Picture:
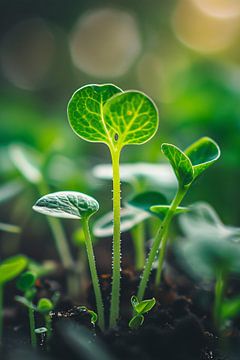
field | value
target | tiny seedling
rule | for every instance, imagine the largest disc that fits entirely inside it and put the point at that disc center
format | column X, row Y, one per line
column 75, row 205
column 140, row 308
column 26, row 284
column 9, row 270
column 44, row 307
column 106, row 114
column 187, row 166
column 94, row 316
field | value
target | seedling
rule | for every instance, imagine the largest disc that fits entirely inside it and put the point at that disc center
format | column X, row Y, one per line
column 106, row 114
column 94, row 316
column 45, row 306
column 75, row 205
column 26, row 284
column 9, row 270
column 187, row 166
column 140, row 308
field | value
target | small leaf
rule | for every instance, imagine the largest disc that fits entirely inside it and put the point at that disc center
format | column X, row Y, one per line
column 136, row 322
column 180, row 162
column 44, row 306
column 103, row 113
column 134, row 301
column 26, row 281
column 14, row 229
column 67, row 204
column 130, row 217
column 161, row 210
column 94, row 316
column 24, row 301
column 203, row 153
column 145, row 306
column 146, row 200
column 12, row 267
column 230, row 308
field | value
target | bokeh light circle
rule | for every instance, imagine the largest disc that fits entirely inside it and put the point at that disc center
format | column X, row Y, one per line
column 219, row 8
column 105, row 42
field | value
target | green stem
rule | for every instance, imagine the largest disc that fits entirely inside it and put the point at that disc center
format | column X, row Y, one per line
column 139, row 246
column 1, row 313
column 116, row 276
column 93, row 271
column 32, row 327
column 156, row 243
column 219, row 293
column 48, row 324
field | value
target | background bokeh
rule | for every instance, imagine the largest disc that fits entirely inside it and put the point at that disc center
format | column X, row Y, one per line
column 185, row 54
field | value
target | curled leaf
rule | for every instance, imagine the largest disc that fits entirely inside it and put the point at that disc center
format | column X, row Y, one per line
column 136, row 322
column 145, row 306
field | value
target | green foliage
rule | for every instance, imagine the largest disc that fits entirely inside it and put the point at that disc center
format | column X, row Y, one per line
column 67, row 204
column 140, row 308
column 11, row 268
column 26, row 281
column 147, row 199
column 44, row 306
column 230, row 308
column 162, row 210
column 103, row 113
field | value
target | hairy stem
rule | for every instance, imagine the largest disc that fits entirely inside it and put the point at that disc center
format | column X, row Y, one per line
column 94, row 275
column 115, row 296
column 1, row 313
column 138, row 235
column 32, row 327
column 156, row 243
column 218, row 298
column 48, row 324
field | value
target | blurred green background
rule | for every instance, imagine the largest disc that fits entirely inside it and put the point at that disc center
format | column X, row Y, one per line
column 185, row 54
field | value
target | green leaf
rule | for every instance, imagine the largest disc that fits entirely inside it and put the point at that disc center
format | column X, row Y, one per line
column 230, row 308
column 146, row 200
column 161, row 210
column 180, row 162
column 41, row 330
column 130, row 217
column 25, row 302
column 203, row 153
column 44, row 306
column 136, row 322
column 134, row 301
column 67, row 204
column 12, row 267
column 145, row 306
column 102, row 113
column 14, row 229
column 27, row 161
column 26, row 281
column 94, row 316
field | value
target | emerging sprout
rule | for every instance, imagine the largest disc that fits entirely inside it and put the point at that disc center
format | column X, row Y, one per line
column 45, row 306
column 75, row 205
column 187, row 166
column 9, row 270
column 139, row 309
column 106, row 114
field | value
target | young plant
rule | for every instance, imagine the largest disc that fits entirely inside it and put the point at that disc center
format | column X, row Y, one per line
column 44, row 307
column 140, row 308
column 187, row 166
column 9, row 270
column 26, row 284
column 106, row 114
column 75, row 205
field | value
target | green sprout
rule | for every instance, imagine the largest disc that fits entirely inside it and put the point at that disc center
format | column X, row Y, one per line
column 187, row 166
column 9, row 269
column 106, row 114
column 94, row 316
column 44, row 307
column 26, row 283
column 140, row 308
column 75, row 205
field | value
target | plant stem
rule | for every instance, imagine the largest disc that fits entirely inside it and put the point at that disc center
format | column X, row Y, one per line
column 219, row 292
column 1, row 313
column 156, row 243
column 116, row 276
column 93, row 271
column 138, row 242
column 48, row 324
column 32, row 327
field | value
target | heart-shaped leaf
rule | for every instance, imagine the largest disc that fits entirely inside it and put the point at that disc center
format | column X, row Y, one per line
column 130, row 217
column 146, row 200
column 103, row 113
column 180, row 162
column 144, row 306
column 203, row 153
column 161, row 210
column 12, row 267
column 67, row 204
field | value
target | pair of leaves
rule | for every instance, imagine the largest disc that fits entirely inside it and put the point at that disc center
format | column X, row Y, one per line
column 44, row 305
column 188, row 165
column 140, row 309
column 106, row 114
column 11, row 268
column 67, row 204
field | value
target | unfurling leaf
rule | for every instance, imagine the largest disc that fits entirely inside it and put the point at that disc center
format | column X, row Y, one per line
column 144, row 306
column 67, row 204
